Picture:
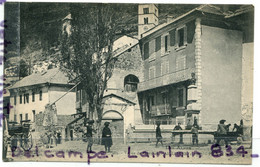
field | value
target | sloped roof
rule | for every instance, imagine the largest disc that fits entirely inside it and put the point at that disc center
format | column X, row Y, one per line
column 119, row 97
column 54, row 76
column 213, row 9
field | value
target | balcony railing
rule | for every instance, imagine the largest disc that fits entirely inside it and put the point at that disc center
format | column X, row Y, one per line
column 166, row 79
column 163, row 109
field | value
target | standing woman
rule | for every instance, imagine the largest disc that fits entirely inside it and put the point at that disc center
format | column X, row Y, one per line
column 106, row 137
column 158, row 134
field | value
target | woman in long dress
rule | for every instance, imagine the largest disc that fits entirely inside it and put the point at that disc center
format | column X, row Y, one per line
column 106, row 137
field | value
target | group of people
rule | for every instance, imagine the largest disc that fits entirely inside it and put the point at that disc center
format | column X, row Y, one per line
column 222, row 131
column 194, row 132
column 106, row 136
column 52, row 138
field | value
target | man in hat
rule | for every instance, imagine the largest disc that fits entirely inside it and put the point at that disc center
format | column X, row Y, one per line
column 195, row 132
column 222, row 132
column 178, row 127
column 106, row 137
column 158, row 134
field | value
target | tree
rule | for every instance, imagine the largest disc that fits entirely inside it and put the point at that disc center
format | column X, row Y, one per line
column 24, row 69
column 86, row 49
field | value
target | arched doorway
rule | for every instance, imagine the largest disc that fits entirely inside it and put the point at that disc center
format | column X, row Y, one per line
column 116, row 125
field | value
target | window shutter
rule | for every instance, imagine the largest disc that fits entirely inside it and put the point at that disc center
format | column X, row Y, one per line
column 185, row 36
column 176, row 40
column 167, row 67
column 146, row 50
column 162, row 45
column 162, row 65
column 172, row 37
column 152, row 50
column 190, row 31
column 158, row 44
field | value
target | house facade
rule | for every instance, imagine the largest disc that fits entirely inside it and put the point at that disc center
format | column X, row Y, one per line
column 30, row 95
column 196, row 67
column 193, row 67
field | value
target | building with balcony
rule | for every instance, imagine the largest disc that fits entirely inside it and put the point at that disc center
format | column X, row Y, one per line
column 195, row 65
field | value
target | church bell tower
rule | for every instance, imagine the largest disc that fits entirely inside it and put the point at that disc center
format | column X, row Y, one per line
column 147, row 18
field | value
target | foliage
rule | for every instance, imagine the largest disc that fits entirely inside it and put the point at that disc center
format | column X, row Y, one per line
column 86, row 50
column 23, row 70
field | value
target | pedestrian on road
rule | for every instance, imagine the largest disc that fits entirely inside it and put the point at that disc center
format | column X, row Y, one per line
column 59, row 136
column 195, row 132
column 89, row 135
column 222, row 132
column 158, row 134
column 106, row 137
column 178, row 127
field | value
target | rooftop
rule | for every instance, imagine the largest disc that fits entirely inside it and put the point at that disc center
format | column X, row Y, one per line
column 54, row 76
column 206, row 8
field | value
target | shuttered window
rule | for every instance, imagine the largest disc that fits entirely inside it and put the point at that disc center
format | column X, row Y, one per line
column 158, row 44
column 14, row 100
column 164, row 67
column 181, row 36
column 152, row 72
column 172, row 37
column 146, row 50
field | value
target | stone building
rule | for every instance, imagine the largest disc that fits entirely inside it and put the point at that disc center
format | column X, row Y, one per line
column 195, row 65
column 29, row 96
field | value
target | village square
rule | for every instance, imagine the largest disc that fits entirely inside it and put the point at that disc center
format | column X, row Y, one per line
column 175, row 89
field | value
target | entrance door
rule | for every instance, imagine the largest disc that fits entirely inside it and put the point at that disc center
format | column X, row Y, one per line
column 116, row 125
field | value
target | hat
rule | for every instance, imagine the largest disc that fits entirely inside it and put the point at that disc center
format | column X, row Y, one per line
column 106, row 123
column 222, row 121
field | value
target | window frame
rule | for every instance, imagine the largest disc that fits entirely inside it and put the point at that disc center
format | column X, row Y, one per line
column 165, row 45
column 40, row 95
column 26, row 116
column 146, row 20
column 21, row 99
column 184, row 97
column 145, row 10
column 165, row 67
column 33, row 115
column 154, row 73
column 33, row 96
column 146, row 50
column 15, row 118
column 177, row 38
column 15, row 100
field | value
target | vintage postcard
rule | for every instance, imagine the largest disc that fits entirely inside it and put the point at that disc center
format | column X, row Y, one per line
column 103, row 82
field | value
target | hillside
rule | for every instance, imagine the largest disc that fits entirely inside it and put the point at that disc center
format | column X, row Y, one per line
column 35, row 28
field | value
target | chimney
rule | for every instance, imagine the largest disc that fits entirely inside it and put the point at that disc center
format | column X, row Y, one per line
column 170, row 19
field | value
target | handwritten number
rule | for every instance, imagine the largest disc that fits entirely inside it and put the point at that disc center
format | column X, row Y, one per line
column 241, row 150
column 229, row 151
column 216, row 152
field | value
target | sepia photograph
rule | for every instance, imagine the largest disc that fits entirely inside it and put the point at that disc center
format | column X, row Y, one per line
column 128, row 82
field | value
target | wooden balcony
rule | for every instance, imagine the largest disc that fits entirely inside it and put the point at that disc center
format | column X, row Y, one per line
column 166, row 79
